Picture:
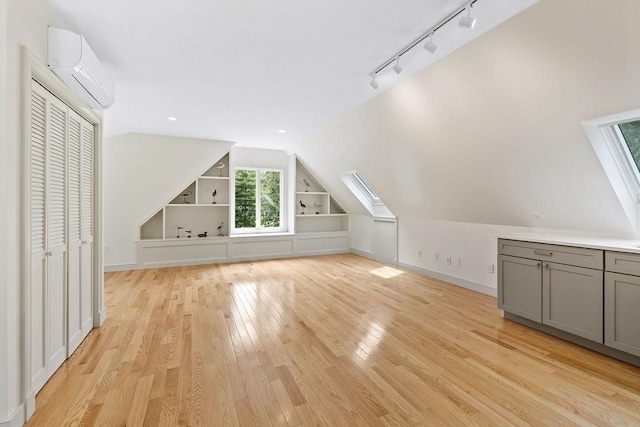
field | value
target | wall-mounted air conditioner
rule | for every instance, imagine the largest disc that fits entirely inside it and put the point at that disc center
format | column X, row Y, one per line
column 71, row 59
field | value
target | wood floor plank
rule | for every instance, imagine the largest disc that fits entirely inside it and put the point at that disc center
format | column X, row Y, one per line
column 323, row 341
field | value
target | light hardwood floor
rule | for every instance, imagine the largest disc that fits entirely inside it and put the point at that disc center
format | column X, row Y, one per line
column 323, row 341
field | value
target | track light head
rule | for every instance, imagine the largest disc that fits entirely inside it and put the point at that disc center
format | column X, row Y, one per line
column 430, row 45
column 397, row 67
column 373, row 83
column 467, row 21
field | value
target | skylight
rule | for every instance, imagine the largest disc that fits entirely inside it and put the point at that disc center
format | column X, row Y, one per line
column 629, row 136
column 616, row 141
column 365, row 194
column 363, row 187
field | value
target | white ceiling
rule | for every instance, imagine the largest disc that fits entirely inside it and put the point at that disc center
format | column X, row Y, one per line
column 240, row 70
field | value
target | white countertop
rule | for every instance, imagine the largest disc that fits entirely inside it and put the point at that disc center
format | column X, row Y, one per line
column 620, row 245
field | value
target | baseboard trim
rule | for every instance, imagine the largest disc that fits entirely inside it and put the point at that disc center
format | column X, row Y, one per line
column 29, row 405
column 451, row 279
column 120, row 267
column 238, row 258
column 102, row 316
column 362, row 253
column 17, row 419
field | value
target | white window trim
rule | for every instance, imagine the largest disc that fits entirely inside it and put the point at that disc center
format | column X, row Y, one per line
column 365, row 194
column 614, row 156
column 258, row 229
column 364, row 187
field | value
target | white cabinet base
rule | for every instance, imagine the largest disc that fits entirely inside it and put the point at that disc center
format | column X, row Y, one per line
column 195, row 251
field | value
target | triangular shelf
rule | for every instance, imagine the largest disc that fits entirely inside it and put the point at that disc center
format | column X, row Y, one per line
column 201, row 207
column 316, row 209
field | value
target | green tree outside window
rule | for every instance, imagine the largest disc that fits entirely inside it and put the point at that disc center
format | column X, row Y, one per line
column 257, row 198
column 631, row 133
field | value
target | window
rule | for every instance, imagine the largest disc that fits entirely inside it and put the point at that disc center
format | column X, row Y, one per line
column 365, row 194
column 628, row 136
column 616, row 141
column 258, row 200
column 363, row 187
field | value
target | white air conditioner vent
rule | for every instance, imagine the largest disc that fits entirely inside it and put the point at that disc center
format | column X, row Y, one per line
column 72, row 59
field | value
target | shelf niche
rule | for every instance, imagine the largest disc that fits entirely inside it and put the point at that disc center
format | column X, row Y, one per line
column 195, row 212
column 329, row 217
column 152, row 229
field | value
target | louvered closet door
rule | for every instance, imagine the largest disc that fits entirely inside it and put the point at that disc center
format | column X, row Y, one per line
column 87, row 250
column 74, row 316
column 56, row 232
column 37, row 201
column 48, row 180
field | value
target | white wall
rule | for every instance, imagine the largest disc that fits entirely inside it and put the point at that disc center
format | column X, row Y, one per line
column 22, row 23
column 4, row 319
column 492, row 133
column 361, row 232
column 141, row 173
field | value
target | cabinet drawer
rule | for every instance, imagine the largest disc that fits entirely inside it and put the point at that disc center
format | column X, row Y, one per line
column 619, row 262
column 581, row 257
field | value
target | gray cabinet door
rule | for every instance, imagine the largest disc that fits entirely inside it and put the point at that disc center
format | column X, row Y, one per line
column 572, row 300
column 520, row 287
column 622, row 312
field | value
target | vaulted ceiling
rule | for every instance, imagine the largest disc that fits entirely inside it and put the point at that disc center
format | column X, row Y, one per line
column 241, row 70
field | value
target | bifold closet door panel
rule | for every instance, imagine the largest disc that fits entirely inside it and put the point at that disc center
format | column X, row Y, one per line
column 87, row 250
column 56, row 226
column 74, row 317
column 48, row 234
column 37, row 208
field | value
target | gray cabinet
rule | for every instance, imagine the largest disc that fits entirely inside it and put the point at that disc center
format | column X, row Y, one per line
column 625, row 263
column 585, row 295
column 572, row 300
column 622, row 312
column 558, row 286
column 522, row 294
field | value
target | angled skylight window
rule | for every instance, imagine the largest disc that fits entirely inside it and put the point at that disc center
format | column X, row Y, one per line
column 365, row 194
column 629, row 138
column 363, row 186
column 616, row 141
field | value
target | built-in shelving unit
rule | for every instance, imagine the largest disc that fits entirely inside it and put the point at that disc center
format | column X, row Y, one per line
column 195, row 208
column 320, row 213
column 324, row 232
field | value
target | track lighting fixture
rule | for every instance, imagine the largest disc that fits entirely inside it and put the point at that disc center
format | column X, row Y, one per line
column 430, row 45
column 467, row 22
column 397, row 67
column 373, row 83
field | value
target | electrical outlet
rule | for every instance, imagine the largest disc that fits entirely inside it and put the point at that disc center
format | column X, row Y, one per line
column 491, row 268
column 448, row 260
column 436, row 257
column 419, row 253
column 106, row 249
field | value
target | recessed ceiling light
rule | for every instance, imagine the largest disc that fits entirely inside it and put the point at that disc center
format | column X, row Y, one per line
column 172, row 119
column 281, row 131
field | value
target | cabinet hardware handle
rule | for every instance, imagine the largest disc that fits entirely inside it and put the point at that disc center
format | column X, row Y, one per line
column 540, row 252
column 48, row 253
column 546, row 266
column 84, row 242
column 538, row 266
